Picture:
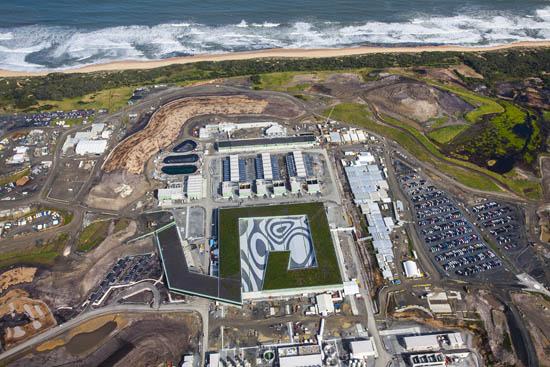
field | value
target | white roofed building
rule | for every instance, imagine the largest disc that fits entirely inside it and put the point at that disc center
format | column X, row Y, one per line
column 421, row 342
column 351, row 288
column 234, row 168
column 363, row 349
column 195, row 187
column 411, row 269
column 325, row 304
column 309, row 360
column 90, row 147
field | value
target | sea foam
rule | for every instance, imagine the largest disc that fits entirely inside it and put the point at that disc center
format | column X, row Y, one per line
column 55, row 47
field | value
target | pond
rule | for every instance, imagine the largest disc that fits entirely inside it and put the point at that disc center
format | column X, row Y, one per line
column 188, row 158
column 179, row 170
column 83, row 342
column 185, row 146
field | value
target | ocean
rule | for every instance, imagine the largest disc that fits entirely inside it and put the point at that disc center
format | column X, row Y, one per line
column 37, row 35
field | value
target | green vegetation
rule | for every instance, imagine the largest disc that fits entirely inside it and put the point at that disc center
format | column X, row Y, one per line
column 33, row 92
column 529, row 188
column 485, row 105
column 16, row 176
column 507, row 343
column 446, row 134
column 303, row 97
column 274, row 80
column 96, row 232
column 526, row 188
column 44, row 254
column 121, row 225
column 438, row 121
column 507, row 137
column 410, row 244
column 298, row 87
column 327, row 271
column 357, row 114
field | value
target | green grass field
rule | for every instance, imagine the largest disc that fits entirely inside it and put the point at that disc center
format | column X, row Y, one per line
column 39, row 255
column 446, row 134
column 277, row 275
column 96, row 232
column 485, row 105
column 15, row 176
column 357, row 114
column 112, row 99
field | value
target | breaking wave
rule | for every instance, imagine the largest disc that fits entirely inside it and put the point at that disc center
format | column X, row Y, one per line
column 54, row 47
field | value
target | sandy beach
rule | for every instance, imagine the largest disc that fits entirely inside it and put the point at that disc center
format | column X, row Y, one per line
column 291, row 53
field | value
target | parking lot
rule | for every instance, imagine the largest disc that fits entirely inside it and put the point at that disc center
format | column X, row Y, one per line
column 40, row 221
column 69, row 178
column 454, row 244
column 500, row 222
column 22, row 120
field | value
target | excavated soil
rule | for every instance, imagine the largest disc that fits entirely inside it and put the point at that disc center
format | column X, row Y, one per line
column 165, row 125
column 418, row 101
column 16, row 276
column 137, row 340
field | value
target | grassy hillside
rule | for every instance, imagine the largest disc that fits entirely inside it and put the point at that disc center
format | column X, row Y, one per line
column 359, row 115
column 27, row 92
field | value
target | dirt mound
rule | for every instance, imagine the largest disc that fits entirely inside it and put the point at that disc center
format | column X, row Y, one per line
column 165, row 125
column 418, row 101
column 16, row 276
column 117, row 190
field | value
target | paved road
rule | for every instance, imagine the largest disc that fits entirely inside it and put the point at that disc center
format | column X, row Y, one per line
column 200, row 306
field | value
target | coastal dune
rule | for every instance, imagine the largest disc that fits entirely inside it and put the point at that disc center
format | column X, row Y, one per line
column 272, row 53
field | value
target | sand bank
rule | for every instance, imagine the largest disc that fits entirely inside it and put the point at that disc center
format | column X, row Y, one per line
column 292, row 53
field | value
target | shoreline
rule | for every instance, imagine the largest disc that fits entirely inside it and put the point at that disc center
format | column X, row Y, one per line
column 271, row 53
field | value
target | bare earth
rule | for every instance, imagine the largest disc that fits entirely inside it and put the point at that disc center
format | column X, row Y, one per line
column 16, row 276
column 66, row 287
column 165, row 125
column 537, row 314
column 295, row 53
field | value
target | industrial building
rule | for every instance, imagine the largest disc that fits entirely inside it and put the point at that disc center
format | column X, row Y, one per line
column 245, row 190
column 421, row 343
column 325, row 306
column 211, row 130
column 279, row 188
column 97, row 147
column 363, row 349
column 87, row 142
column 227, row 190
column 313, row 186
column 261, row 188
column 167, row 196
column 266, row 143
column 369, row 187
column 234, row 168
column 308, row 360
column 411, row 269
column 427, row 359
column 351, row 288
column 195, row 185
column 352, row 136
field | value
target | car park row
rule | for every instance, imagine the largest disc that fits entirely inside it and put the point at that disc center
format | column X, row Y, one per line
column 452, row 241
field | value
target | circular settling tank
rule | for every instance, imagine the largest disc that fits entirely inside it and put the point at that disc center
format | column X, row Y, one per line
column 269, row 356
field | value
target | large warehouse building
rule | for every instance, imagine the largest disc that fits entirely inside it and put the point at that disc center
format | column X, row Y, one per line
column 247, row 145
column 264, row 251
